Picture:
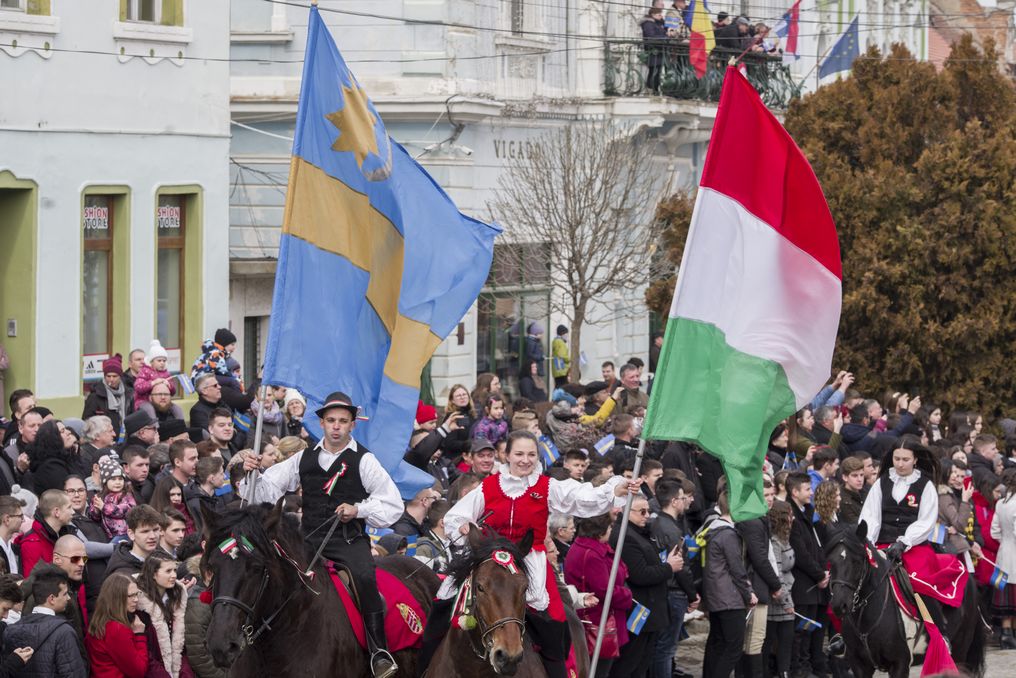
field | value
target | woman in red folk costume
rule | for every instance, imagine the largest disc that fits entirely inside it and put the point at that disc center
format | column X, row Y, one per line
column 901, row 511
column 513, row 501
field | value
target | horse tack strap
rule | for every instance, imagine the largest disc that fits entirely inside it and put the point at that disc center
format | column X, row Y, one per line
column 937, row 659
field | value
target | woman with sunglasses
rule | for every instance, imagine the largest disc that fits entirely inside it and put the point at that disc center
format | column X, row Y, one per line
column 519, row 498
column 162, row 606
column 116, row 642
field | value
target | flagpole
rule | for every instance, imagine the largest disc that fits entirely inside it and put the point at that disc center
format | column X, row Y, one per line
column 617, row 561
column 256, row 447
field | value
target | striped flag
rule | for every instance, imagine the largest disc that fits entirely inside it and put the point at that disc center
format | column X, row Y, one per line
column 375, row 533
column 806, row 624
column 753, row 323
column 999, row 579
column 788, row 28
column 241, row 421
column 411, row 545
column 702, row 39
column 186, row 385
column 637, row 618
column 228, row 546
column 549, row 451
column 938, row 533
column 605, row 444
column 692, row 546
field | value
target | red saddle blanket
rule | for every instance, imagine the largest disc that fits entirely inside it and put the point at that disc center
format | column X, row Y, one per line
column 404, row 618
column 939, row 575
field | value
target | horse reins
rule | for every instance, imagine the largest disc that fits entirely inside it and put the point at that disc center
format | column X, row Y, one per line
column 859, row 604
column 486, row 630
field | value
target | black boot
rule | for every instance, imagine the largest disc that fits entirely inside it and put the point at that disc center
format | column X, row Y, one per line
column 382, row 664
column 1007, row 641
column 753, row 665
column 439, row 621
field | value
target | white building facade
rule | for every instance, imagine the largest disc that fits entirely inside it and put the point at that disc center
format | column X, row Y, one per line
column 114, row 146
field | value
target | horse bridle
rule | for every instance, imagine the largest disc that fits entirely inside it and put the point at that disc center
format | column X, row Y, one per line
column 249, row 632
column 486, row 643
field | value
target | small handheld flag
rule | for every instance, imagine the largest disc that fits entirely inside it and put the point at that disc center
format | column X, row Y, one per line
column 549, row 451
column 411, row 545
column 938, row 533
column 790, row 461
column 999, row 579
column 605, row 444
column 242, row 422
column 375, row 533
column 637, row 618
column 228, row 548
column 806, row 624
column 692, row 545
column 186, row 385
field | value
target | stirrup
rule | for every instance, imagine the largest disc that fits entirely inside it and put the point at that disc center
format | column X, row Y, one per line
column 380, row 656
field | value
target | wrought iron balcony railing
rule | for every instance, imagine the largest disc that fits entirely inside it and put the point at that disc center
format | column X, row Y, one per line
column 627, row 65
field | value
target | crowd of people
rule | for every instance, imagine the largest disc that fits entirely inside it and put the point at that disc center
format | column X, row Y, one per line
column 101, row 516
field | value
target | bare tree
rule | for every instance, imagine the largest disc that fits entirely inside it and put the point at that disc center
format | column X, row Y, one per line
column 585, row 198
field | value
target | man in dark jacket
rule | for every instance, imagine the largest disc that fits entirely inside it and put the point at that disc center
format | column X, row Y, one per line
column 810, row 577
column 682, row 456
column 50, row 635
column 981, row 460
column 860, row 433
column 144, row 529
column 136, row 469
column 764, row 582
column 211, row 396
column 829, row 425
column 647, row 579
column 111, row 396
column 69, row 549
column 669, row 529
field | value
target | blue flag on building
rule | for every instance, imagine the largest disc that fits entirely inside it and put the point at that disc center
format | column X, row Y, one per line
column 548, row 450
column 938, row 533
column 376, row 263
column 999, row 579
column 637, row 618
column 841, row 56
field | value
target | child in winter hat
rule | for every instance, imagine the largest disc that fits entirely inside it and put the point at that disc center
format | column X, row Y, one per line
column 152, row 373
column 114, row 499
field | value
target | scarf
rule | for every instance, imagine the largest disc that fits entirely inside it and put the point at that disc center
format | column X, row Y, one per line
column 115, row 401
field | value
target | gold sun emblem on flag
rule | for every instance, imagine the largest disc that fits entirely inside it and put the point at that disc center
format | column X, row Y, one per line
column 356, row 125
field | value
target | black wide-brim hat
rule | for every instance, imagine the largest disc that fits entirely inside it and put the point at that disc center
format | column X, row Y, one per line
column 338, row 399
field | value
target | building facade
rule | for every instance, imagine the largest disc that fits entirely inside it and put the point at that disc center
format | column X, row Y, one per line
column 113, row 185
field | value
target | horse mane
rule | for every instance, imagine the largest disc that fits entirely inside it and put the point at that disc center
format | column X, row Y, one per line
column 463, row 564
column 249, row 521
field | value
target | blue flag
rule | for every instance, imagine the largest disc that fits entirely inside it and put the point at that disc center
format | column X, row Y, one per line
column 186, row 385
column 549, row 451
column 806, row 624
column 841, row 56
column 375, row 533
column 790, row 461
column 692, row 546
column 637, row 618
column 376, row 263
column 938, row 533
column 999, row 579
column 241, row 421
column 605, row 444
column 411, row 545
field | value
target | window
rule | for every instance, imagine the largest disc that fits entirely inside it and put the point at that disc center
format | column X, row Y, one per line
column 144, row 10
column 517, row 9
column 97, row 271
column 171, row 227
column 163, row 12
column 16, row 5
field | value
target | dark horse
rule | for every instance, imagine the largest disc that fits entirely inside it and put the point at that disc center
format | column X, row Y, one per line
column 268, row 619
column 872, row 621
column 496, row 646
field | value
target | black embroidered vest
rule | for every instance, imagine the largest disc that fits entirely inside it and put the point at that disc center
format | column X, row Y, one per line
column 898, row 516
column 318, row 503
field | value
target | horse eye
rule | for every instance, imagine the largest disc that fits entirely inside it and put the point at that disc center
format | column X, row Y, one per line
column 479, row 587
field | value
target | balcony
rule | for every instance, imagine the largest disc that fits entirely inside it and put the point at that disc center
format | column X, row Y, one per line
column 626, row 66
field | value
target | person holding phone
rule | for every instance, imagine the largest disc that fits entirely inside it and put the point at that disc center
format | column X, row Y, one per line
column 116, row 642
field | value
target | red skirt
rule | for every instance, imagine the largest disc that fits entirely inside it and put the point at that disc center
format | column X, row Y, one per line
column 939, row 575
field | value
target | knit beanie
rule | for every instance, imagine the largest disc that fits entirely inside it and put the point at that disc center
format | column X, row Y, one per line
column 425, row 413
column 156, row 351
column 561, row 330
column 113, row 365
column 109, row 469
column 535, row 329
column 223, row 337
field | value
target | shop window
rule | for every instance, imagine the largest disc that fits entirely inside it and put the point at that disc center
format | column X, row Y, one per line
column 171, row 218
column 97, row 274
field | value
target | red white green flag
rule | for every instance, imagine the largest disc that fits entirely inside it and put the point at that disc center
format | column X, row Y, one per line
column 753, row 323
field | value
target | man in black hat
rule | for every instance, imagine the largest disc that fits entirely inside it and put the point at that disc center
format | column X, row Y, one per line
column 141, row 428
column 339, row 476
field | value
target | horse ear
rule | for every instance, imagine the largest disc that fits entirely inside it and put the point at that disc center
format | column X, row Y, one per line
column 862, row 531
column 275, row 517
column 474, row 537
column 526, row 543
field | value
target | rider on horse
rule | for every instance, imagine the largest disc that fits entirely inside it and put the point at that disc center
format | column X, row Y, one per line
column 340, row 477
column 901, row 511
column 516, row 499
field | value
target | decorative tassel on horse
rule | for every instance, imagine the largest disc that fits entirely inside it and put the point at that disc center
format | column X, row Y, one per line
column 463, row 616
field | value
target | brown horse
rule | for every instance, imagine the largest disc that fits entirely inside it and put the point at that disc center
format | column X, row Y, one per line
column 268, row 619
column 496, row 645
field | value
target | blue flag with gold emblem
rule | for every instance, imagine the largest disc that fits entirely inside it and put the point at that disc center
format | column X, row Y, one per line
column 841, row 56
column 376, row 263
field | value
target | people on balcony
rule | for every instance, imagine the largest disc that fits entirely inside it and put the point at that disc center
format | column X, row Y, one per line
column 654, row 37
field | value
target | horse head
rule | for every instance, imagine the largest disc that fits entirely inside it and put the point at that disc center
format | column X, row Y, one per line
column 495, row 572
column 241, row 554
column 851, row 557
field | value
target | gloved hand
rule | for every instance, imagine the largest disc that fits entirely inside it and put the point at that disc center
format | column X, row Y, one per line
column 895, row 552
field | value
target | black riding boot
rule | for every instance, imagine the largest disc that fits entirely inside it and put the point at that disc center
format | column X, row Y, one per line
column 1006, row 640
column 382, row 664
column 439, row 622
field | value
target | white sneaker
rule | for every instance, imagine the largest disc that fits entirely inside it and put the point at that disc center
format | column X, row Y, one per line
column 693, row 615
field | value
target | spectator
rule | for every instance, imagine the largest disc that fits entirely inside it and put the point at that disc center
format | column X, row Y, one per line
column 765, row 583
column 460, row 409
column 824, row 464
column 654, row 36
column 116, row 639
column 426, row 417
column 161, row 407
column 169, row 495
column 810, row 576
column 58, row 655
column 576, row 462
column 956, row 513
column 560, row 357
column 11, row 598
column 534, row 346
column 413, row 521
column 135, row 361
column 97, row 546
column 294, row 408
column 607, row 372
column 162, row 606
column 482, row 458
column 153, row 373
column 69, row 558
column 433, row 547
column 98, row 438
column 561, row 530
column 625, row 448
column 111, row 396
column 587, row 567
column 52, row 521
column 16, row 458
column 647, row 579
column 197, row 619
column 492, row 426
column 486, row 384
column 21, row 400
column 50, row 461
column 223, row 432
column 183, row 458
column 633, row 400
column 12, row 514
column 650, row 473
column 209, row 476
column 112, row 505
column 1003, row 530
column 141, row 428
column 531, row 384
column 722, row 19
column 982, row 460
column 135, row 459
column 780, row 627
column 827, row 427
column 852, row 490
column 144, row 529
column 172, row 534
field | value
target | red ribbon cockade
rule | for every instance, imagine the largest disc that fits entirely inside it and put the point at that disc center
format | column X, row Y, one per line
column 505, row 560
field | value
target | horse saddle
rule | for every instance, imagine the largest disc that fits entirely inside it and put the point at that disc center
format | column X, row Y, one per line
column 913, row 623
column 404, row 616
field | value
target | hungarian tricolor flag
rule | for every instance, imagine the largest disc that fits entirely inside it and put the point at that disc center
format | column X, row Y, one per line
column 752, row 327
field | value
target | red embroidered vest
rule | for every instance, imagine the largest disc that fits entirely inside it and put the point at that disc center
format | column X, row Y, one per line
column 512, row 518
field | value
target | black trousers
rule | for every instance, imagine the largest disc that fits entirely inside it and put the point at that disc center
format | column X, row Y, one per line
column 779, row 643
column 350, row 547
column 808, row 644
column 724, row 644
column 636, row 656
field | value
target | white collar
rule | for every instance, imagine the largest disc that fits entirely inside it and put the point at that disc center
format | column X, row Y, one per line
column 515, row 486
column 351, row 445
column 908, row 480
column 39, row 609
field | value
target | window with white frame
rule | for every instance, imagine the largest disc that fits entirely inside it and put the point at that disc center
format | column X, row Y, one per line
column 15, row 5
column 148, row 11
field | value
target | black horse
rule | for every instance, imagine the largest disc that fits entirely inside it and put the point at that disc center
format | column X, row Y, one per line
column 269, row 618
column 872, row 621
